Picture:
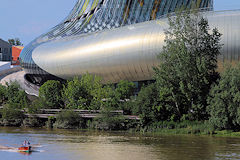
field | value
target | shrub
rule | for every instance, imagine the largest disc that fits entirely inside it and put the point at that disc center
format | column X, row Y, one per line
column 9, row 113
column 108, row 121
column 3, row 94
column 11, row 116
column 69, row 120
column 33, row 122
column 224, row 100
column 147, row 106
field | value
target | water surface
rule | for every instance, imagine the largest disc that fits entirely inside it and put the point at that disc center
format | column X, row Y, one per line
column 86, row 145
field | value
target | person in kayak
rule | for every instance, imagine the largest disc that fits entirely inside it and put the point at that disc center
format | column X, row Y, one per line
column 24, row 143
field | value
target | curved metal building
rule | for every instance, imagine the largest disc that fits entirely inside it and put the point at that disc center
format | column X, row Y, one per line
column 115, row 39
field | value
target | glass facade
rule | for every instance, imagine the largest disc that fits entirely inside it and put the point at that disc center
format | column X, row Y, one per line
column 89, row 16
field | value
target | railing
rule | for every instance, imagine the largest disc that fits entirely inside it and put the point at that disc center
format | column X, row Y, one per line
column 46, row 113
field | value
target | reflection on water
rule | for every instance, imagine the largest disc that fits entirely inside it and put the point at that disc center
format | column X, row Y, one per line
column 85, row 145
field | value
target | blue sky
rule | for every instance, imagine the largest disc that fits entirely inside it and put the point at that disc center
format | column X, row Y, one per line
column 27, row 19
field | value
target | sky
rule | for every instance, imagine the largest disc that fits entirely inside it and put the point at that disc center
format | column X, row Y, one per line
column 27, row 19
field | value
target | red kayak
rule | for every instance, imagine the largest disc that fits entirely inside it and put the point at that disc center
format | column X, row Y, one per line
column 25, row 149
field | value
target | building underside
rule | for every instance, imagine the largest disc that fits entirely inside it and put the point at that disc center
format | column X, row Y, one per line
column 117, row 40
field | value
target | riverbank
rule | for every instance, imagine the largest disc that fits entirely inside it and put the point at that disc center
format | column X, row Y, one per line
column 186, row 131
column 72, row 122
column 187, row 128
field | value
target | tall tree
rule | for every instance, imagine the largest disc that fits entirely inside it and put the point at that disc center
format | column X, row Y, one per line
column 188, row 65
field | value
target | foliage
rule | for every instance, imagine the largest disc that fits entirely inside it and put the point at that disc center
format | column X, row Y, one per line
column 224, row 100
column 3, row 95
column 146, row 106
column 15, row 42
column 108, row 121
column 50, row 122
column 124, row 89
column 120, row 97
column 84, row 93
column 33, row 122
column 16, row 97
column 128, row 106
column 50, row 94
column 36, row 105
column 184, row 127
column 9, row 113
column 69, row 120
column 188, row 66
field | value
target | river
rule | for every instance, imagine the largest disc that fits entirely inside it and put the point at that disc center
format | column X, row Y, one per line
column 93, row 145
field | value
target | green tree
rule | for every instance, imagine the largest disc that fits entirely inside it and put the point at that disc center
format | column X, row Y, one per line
column 84, row 93
column 69, row 120
column 15, row 42
column 111, row 101
column 117, row 98
column 3, row 95
column 9, row 113
column 95, row 90
column 147, row 106
column 124, row 89
column 109, row 121
column 188, row 65
column 11, row 41
column 224, row 100
column 36, row 105
column 50, row 94
column 74, row 94
column 16, row 97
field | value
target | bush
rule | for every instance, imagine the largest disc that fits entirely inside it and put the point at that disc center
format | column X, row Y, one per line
column 36, row 105
column 50, row 122
column 184, row 127
column 224, row 100
column 147, row 106
column 3, row 94
column 125, row 89
column 69, row 120
column 9, row 113
column 108, row 121
column 12, row 117
column 33, row 122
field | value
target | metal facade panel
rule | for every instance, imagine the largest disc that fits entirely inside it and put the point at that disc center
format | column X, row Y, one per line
column 124, row 53
column 97, row 16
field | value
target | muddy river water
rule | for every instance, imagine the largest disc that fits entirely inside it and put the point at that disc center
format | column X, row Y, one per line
column 93, row 145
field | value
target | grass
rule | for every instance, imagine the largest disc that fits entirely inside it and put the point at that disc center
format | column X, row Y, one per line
column 227, row 133
column 187, row 128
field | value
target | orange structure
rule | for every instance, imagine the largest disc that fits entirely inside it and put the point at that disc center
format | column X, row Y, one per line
column 16, row 50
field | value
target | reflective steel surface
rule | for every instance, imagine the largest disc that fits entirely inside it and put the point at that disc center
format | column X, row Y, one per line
column 93, row 16
column 125, row 53
column 128, row 52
